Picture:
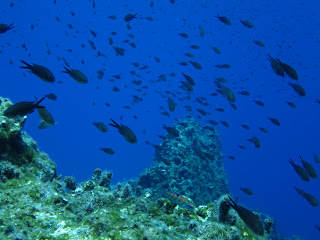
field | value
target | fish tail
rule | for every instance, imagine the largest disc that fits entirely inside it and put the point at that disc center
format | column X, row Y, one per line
column 38, row 102
column 27, row 65
column 66, row 70
column 116, row 125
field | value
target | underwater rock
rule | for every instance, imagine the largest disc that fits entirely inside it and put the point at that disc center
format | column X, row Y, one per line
column 70, row 182
column 190, row 164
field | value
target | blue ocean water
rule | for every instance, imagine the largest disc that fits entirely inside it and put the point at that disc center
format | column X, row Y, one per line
column 290, row 31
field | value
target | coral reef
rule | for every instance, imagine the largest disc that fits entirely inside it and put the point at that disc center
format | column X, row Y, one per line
column 36, row 203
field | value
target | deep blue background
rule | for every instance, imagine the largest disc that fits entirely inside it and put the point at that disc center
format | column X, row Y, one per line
column 290, row 31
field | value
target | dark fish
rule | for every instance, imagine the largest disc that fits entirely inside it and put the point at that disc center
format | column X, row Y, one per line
column 223, row 19
column 291, row 104
column 276, row 66
column 189, row 79
column 195, row 46
column 126, row 132
column 186, row 86
column 22, row 108
column 298, row 89
column 316, row 158
column 246, row 23
column 255, row 141
column 246, row 191
column 172, row 131
column 171, row 104
column 290, row 71
column 245, row 93
column 260, row 103
column 77, row 75
column 129, row 17
column 310, row 198
column 309, row 168
column 119, row 51
column 225, row 65
column 302, row 173
column 107, row 150
column 51, row 96
column 317, row 227
column 228, row 94
column 245, row 126
column 274, row 121
column 249, row 218
column 216, row 50
column 259, row 43
column 5, row 27
column 184, row 35
column 224, row 123
column 101, row 126
column 40, row 71
column 264, row 130
column 213, row 122
column 46, row 117
column 196, row 65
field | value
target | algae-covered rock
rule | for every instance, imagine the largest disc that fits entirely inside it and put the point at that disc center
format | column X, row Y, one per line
column 35, row 202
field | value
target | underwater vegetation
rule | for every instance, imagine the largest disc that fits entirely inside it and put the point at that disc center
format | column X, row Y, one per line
column 37, row 203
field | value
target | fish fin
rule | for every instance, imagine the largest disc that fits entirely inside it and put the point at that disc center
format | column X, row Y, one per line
column 28, row 66
column 116, row 125
column 67, row 70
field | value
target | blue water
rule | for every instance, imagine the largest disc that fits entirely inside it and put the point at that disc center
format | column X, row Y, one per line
column 290, row 31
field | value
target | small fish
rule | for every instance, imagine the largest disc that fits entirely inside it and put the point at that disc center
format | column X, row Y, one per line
column 172, row 131
column 259, row 43
column 245, row 126
column 107, row 151
column 309, row 168
column 249, row 218
column 302, row 173
column 317, row 227
column 260, row 103
column 276, row 66
column 51, row 96
column 246, row 23
column 274, row 121
column 310, row 198
column 40, row 71
column 119, row 51
column 101, row 126
column 316, row 158
column 255, row 141
column 77, row 75
column 184, row 35
column 298, row 89
column 46, row 117
column 22, row 108
column 196, row 65
column 125, row 131
column 171, row 104
column 223, row 19
column 129, row 17
column 179, row 200
column 246, row 191
column 290, row 71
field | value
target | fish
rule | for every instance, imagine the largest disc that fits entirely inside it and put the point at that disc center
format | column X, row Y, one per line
column 274, row 121
column 246, row 191
column 77, row 75
column 260, row 103
column 171, row 104
column 40, row 71
column 107, row 151
column 259, row 43
column 276, row 66
column 245, row 126
column 316, row 158
column 251, row 219
column 246, row 23
column 302, row 173
column 119, row 51
column 179, row 200
column 317, row 227
column 196, row 65
column 290, row 71
column 172, row 131
column 101, row 126
column 309, row 168
column 5, row 27
column 46, row 118
column 298, row 89
column 310, row 198
column 184, row 35
column 255, row 141
column 125, row 132
column 129, row 17
column 22, row 108
column 189, row 79
column 224, row 19
column 51, row 96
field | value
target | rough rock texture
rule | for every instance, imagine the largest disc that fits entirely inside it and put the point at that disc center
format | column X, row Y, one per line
column 35, row 202
column 190, row 164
